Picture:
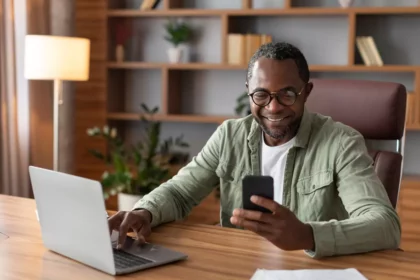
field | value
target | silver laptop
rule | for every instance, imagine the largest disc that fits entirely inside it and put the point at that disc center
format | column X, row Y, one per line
column 72, row 215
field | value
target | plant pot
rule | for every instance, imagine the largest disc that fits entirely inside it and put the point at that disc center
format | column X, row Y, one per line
column 119, row 53
column 175, row 54
column 126, row 202
column 345, row 3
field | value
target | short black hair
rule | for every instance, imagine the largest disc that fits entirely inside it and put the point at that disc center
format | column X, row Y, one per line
column 281, row 51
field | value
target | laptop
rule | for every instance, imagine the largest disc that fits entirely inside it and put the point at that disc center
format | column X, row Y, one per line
column 72, row 215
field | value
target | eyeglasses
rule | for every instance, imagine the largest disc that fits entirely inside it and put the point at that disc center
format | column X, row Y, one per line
column 286, row 97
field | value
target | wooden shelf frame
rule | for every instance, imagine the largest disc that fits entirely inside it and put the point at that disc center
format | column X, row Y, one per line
column 170, row 117
column 224, row 66
column 174, row 9
column 292, row 11
column 93, row 20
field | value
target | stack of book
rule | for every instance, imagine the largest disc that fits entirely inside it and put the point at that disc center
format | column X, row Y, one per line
column 368, row 51
column 241, row 47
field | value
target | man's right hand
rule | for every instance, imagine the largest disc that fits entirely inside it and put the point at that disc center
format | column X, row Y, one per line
column 137, row 221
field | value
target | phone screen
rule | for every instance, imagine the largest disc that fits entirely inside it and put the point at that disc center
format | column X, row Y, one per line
column 257, row 185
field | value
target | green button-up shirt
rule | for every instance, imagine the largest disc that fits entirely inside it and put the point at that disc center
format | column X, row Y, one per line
column 329, row 183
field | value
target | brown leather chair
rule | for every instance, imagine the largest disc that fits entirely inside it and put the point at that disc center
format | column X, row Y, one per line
column 377, row 110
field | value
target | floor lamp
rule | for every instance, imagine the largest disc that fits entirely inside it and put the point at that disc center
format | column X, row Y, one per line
column 59, row 59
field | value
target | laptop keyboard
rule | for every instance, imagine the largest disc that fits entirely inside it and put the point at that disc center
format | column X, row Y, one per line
column 124, row 260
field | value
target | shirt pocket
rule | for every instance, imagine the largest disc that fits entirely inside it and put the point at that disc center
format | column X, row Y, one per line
column 232, row 174
column 316, row 195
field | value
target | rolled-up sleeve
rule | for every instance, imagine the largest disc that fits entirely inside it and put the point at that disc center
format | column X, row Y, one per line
column 175, row 199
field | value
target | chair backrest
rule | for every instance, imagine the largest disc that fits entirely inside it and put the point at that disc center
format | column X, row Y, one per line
column 377, row 110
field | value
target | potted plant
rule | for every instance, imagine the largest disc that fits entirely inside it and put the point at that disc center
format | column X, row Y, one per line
column 345, row 3
column 242, row 105
column 177, row 33
column 136, row 170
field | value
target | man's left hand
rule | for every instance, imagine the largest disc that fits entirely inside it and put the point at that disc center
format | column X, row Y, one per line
column 282, row 227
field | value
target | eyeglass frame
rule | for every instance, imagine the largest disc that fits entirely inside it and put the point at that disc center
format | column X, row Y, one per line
column 275, row 94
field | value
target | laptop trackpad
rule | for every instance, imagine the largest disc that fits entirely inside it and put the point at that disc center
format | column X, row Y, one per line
column 147, row 250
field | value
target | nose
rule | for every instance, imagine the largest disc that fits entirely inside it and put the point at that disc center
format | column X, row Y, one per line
column 274, row 106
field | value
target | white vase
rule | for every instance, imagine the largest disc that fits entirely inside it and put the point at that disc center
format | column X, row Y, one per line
column 345, row 3
column 119, row 53
column 175, row 54
column 126, row 202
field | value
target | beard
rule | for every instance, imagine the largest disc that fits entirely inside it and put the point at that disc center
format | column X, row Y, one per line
column 280, row 132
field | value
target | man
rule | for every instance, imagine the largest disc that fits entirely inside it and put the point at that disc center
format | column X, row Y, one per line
column 328, row 199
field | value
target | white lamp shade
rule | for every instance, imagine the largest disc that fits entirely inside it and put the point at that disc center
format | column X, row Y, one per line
column 56, row 57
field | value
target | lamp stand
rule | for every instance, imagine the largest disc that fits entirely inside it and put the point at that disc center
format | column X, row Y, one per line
column 58, row 100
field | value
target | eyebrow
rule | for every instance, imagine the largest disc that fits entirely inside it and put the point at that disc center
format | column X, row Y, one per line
column 264, row 89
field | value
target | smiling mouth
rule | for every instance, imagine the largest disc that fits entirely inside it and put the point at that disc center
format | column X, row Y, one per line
column 275, row 119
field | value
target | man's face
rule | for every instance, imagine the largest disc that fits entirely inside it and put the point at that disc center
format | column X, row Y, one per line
column 278, row 121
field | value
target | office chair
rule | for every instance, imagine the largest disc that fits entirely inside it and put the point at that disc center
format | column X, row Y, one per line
column 377, row 110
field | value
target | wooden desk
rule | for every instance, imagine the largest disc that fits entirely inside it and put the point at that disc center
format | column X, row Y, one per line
column 214, row 253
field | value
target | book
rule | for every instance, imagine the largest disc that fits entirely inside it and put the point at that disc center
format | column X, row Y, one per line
column 148, row 4
column 265, row 38
column 368, row 51
column 241, row 47
column 253, row 43
column 411, row 108
column 361, row 46
column 236, row 49
column 374, row 51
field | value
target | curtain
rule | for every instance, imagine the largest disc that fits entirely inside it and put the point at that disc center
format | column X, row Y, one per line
column 14, row 110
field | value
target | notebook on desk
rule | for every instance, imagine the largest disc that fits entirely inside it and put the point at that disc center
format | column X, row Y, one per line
column 71, row 212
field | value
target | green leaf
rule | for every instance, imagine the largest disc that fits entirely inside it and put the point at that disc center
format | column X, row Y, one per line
column 145, row 108
column 97, row 154
column 118, row 162
column 240, row 108
column 177, row 33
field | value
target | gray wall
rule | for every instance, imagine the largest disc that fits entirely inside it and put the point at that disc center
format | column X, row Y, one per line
column 322, row 39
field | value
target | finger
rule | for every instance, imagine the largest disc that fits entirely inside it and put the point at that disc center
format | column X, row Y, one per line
column 257, row 227
column 139, row 236
column 267, row 203
column 253, row 215
column 145, row 230
column 123, row 229
column 115, row 221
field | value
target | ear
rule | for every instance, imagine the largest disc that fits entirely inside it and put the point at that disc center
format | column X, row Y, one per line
column 308, row 90
column 246, row 84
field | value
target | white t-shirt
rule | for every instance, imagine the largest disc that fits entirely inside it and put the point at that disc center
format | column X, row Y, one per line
column 273, row 163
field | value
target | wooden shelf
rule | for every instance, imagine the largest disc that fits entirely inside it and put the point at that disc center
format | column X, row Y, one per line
column 385, row 10
column 219, row 66
column 170, row 118
column 411, row 178
column 263, row 12
column 363, row 68
column 412, row 127
column 180, row 66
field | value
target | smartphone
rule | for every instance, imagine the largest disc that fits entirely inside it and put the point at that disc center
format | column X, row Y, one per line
column 257, row 185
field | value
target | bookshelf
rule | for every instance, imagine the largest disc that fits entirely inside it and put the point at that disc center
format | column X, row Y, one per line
column 115, row 88
column 221, row 66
